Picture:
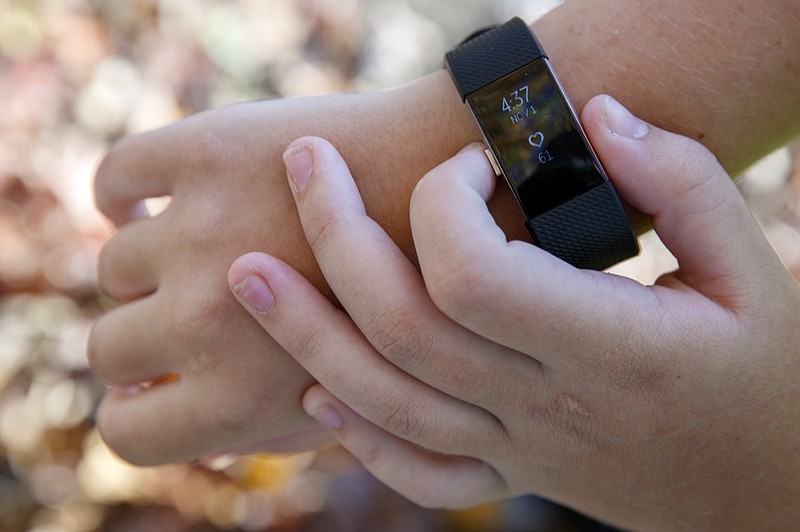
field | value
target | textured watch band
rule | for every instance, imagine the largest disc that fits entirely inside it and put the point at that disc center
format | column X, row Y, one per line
column 489, row 54
column 590, row 231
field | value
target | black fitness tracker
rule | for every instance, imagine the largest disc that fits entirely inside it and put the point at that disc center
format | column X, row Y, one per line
column 536, row 142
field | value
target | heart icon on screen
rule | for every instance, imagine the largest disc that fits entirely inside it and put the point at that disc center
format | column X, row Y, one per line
column 536, row 140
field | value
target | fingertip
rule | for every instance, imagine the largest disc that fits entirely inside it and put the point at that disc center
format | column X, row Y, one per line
column 592, row 116
column 320, row 179
column 645, row 163
column 249, row 278
column 306, row 140
column 431, row 479
column 299, row 162
column 308, row 155
column 320, row 404
column 319, row 147
column 472, row 147
column 694, row 205
column 470, row 167
column 450, row 219
column 323, row 151
column 124, row 178
column 243, row 266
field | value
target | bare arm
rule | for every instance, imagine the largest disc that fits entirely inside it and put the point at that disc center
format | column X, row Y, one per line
column 701, row 68
column 724, row 73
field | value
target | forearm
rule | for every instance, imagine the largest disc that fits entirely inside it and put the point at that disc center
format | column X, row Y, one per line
column 724, row 73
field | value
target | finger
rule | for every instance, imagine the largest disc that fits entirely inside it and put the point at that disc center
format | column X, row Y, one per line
column 133, row 426
column 308, row 439
column 397, row 317
column 122, row 348
column 129, row 265
column 134, row 169
column 149, row 427
column 510, row 292
column 328, row 345
column 183, row 419
column 429, row 479
column 696, row 209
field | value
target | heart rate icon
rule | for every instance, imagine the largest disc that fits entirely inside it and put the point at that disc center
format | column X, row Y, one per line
column 536, row 140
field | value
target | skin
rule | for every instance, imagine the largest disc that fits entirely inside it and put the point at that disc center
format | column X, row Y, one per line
column 663, row 407
column 235, row 387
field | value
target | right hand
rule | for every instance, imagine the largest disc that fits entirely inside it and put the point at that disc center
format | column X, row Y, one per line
column 502, row 370
column 223, row 170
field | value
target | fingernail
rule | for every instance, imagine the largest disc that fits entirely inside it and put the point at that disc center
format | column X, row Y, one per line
column 621, row 122
column 255, row 291
column 299, row 162
column 327, row 416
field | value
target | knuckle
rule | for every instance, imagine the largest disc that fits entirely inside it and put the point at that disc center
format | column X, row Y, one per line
column 108, row 265
column 212, row 227
column 699, row 170
column 110, row 164
column 214, row 151
column 437, row 182
column 96, row 350
column 428, row 193
column 305, row 345
column 401, row 335
column 120, row 160
column 567, row 416
column 406, row 417
column 207, row 307
column 322, row 228
column 460, row 287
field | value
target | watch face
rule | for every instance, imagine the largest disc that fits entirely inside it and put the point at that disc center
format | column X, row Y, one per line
column 536, row 138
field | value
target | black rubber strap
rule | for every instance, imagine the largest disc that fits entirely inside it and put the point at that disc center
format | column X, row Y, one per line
column 490, row 54
column 590, row 231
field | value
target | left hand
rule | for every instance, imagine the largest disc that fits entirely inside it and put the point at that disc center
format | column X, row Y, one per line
column 189, row 373
column 502, row 370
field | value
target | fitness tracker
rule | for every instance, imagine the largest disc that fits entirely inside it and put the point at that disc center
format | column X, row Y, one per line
column 536, row 142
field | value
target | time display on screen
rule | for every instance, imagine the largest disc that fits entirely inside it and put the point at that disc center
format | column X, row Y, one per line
column 536, row 138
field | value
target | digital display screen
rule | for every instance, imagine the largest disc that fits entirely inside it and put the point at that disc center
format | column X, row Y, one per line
column 536, row 138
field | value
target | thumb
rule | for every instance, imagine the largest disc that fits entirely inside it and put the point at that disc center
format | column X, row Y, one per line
column 696, row 209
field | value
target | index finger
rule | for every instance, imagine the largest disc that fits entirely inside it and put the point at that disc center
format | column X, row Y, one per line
column 134, row 169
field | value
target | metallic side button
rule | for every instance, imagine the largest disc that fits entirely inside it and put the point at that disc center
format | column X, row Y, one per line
column 493, row 162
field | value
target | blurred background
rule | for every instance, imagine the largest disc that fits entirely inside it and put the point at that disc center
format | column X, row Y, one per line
column 75, row 75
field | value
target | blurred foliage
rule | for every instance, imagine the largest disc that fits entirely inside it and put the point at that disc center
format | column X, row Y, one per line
column 77, row 74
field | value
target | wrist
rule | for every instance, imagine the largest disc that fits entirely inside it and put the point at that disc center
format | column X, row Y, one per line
column 449, row 118
column 418, row 126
